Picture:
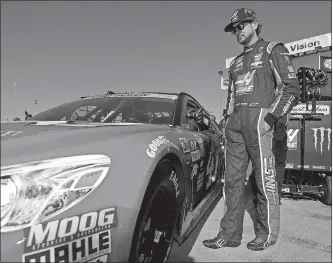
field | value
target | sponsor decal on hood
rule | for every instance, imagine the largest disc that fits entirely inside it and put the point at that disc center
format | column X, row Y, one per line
column 74, row 239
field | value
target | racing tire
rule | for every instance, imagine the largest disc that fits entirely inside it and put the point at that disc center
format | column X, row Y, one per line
column 327, row 197
column 156, row 225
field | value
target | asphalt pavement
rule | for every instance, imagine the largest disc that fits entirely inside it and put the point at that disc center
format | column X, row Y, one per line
column 305, row 236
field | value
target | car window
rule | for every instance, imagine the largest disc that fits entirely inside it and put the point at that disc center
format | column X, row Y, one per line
column 86, row 112
column 190, row 108
column 204, row 123
column 195, row 124
column 145, row 111
column 113, row 110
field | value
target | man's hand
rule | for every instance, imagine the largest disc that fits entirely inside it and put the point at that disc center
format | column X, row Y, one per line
column 267, row 128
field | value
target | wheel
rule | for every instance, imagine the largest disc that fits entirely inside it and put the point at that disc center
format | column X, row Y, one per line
column 156, row 224
column 327, row 197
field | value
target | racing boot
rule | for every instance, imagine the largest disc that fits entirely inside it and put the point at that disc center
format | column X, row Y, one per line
column 216, row 243
column 258, row 244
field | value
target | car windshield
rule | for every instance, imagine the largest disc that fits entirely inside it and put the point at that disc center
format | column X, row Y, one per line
column 114, row 109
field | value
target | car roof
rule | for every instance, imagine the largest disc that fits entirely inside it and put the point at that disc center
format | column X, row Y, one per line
column 129, row 94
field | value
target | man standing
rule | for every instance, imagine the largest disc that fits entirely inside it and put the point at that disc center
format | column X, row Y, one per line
column 263, row 89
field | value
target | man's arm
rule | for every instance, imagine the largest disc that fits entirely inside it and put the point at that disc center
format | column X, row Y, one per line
column 230, row 99
column 288, row 90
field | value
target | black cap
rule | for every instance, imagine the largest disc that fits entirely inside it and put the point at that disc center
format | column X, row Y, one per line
column 241, row 15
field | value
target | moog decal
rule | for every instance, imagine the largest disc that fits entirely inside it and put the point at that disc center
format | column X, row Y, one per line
column 75, row 239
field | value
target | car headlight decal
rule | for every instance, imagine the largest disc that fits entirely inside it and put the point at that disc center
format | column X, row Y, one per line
column 9, row 195
column 34, row 192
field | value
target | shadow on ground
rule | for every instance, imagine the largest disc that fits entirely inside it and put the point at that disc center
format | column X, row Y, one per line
column 181, row 253
column 305, row 234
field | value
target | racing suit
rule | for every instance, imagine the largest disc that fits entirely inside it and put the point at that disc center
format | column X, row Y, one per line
column 263, row 89
column 280, row 149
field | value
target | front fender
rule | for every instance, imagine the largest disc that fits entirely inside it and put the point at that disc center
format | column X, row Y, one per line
column 134, row 164
column 132, row 171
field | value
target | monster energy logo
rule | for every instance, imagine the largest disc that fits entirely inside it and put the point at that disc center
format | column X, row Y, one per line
column 322, row 137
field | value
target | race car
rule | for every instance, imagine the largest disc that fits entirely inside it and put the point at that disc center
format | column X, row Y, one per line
column 108, row 178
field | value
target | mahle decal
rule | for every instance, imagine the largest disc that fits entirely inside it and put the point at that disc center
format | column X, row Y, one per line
column 72, row 239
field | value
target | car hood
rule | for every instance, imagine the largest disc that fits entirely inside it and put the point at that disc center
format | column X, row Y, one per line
column 13, row 130
column 39, row 140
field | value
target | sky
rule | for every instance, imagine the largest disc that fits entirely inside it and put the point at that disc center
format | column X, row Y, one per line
column 57, row 52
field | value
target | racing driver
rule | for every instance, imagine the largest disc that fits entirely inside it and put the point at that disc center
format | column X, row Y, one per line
column 263, row 88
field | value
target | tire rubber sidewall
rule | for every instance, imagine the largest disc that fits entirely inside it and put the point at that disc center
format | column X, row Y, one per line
column 327, row 198
column 150, row 194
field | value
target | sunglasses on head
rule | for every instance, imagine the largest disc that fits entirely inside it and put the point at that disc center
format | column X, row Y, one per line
column 240, row 27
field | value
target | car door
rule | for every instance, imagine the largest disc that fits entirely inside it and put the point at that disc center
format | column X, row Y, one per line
column 215, row 167
column 214, row 150
column 200, row 147
column 213, row 164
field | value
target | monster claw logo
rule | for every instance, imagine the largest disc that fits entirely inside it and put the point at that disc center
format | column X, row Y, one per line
column 321, row 131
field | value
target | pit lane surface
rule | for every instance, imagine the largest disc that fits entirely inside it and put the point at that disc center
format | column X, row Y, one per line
column 305, row 236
